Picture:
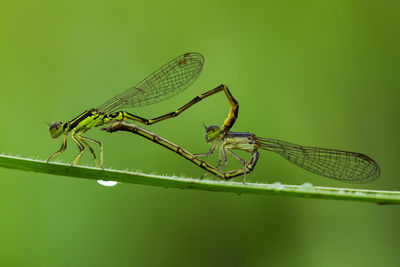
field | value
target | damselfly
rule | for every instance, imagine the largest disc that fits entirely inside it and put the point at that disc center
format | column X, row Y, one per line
column 167, row 81
column 341, row 165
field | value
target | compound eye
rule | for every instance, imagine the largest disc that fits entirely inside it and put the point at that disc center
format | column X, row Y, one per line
column 55, row 125
column 212, row 132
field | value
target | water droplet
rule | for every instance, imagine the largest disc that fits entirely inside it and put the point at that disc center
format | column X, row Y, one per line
column 107, row 183
column 306, row 187
column 277, row 185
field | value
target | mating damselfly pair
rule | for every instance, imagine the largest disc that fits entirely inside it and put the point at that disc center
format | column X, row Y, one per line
column 173, row 78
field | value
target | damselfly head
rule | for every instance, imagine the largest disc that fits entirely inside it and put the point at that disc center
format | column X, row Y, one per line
column 212, row 132
column 56, row 129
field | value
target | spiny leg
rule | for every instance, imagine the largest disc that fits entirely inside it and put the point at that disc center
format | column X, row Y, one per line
column 220, row 152
column 248, row 168
column 101, row 149
column 81, row 149
column 212, row 150
column 62, row 148
column 80, row 138
column 242, row 161
column 223, row 151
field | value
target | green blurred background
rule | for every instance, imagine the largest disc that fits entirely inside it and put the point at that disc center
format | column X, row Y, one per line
column 321, row 73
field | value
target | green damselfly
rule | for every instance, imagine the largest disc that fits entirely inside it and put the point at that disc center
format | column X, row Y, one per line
column 167, row 81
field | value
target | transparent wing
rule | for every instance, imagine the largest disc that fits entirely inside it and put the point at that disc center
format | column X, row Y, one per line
column 167, row 81
column 337, row 164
